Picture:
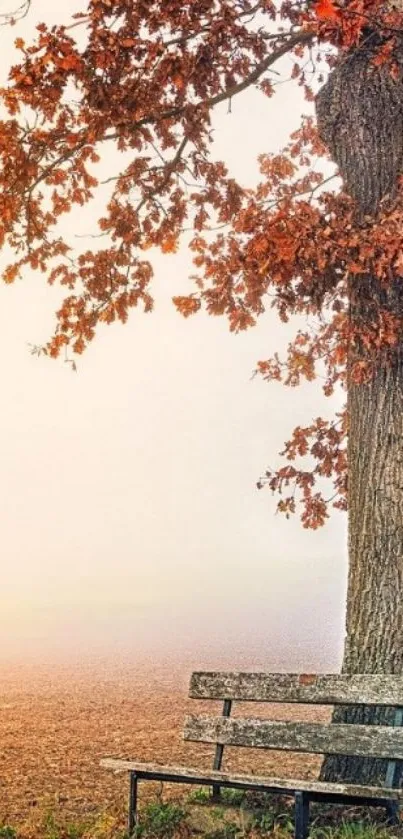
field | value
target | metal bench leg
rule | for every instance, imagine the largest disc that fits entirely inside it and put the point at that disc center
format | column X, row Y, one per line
column 392, row 811
column 301, row 815
column 132, row 803
column 216, row 794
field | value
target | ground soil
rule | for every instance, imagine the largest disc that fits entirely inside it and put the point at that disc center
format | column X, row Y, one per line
column 57, row 722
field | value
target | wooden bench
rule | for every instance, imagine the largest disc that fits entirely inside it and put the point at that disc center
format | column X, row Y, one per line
column 314, row 738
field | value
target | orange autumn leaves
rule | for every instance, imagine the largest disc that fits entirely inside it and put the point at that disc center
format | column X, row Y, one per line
column 144, row 79
column 343, row 21
column 327, row 10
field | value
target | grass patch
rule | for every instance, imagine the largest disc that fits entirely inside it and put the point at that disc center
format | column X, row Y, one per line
column 7, row 832
column 227, row 831
column 228, row 797
column 53, row 828
column 199, row 795
column 354, row 830
column 159, row 821
column 236, row 815
column 51, row 825
column 233, row 797
column 270, row 813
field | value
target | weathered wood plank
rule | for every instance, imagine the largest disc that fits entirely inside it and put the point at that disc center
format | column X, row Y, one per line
column 210, row 776
column 322, row 689
column 369, row 740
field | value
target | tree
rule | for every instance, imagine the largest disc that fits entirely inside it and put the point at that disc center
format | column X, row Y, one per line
column 145, row 75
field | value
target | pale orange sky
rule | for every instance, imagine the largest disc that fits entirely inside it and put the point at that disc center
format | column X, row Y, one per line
column 128, row 499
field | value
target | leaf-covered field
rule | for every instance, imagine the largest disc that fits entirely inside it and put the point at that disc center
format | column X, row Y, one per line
column 57, row 722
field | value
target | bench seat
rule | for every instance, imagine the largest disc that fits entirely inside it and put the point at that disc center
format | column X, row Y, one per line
column 315, row 789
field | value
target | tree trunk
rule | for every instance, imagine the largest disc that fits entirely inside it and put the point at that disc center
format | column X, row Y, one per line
column 374, row 621
column 374, row 639
column 360, row 118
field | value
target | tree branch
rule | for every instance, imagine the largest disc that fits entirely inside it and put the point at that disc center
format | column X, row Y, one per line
column 19, row 13
column 300, row 37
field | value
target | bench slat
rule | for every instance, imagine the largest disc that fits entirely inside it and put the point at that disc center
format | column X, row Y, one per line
column 360, row 740
column 205, row 776
column 321, row 689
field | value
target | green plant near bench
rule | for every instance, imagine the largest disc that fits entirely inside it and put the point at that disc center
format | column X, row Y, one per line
column 159, row 821
column 314, row 738
column 7, row 832
column 230, row 797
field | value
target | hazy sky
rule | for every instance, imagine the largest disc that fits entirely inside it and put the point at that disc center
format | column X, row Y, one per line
column 128, row 499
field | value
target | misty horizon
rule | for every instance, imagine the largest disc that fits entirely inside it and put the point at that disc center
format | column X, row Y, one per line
column 130, row 515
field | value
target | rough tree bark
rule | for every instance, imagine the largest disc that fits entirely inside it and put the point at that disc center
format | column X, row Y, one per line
column 360, row 118
column 374, row 620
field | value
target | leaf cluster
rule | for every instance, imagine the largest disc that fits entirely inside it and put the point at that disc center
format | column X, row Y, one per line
column 144, row 78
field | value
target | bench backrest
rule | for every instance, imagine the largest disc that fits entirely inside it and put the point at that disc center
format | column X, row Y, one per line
column 315, row 738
